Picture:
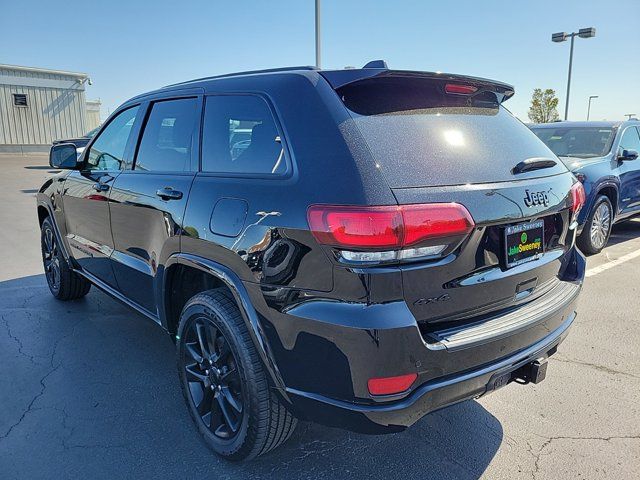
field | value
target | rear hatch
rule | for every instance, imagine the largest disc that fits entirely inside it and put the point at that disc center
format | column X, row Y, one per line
column 441, row 138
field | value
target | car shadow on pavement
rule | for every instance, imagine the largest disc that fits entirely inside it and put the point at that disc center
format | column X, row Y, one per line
column 624, row 231
column 89, row 389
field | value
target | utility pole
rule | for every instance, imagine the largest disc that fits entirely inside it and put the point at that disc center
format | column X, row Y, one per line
column 318, row 34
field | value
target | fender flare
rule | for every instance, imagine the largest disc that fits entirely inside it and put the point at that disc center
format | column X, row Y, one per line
column 239, row 292
column 605, row 184
column 56, row 231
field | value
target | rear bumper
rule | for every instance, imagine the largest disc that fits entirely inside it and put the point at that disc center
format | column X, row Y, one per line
column 428, row 397
column 326, row 351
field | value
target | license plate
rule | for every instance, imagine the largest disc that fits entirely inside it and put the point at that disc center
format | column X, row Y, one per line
column 524, row 242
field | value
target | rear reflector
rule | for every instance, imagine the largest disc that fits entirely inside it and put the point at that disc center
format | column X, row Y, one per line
column 391, row 385
column 578, row 197
column 388, row 227
column 460, row 89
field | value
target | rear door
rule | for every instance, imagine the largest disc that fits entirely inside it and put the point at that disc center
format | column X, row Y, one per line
column 450, row 140
column 86, row 194
column 148, row 199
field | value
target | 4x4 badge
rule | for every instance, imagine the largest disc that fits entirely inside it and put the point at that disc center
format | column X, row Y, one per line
column 536, row 198
column 426, row 301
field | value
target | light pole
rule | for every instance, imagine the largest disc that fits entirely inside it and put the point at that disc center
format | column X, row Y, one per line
column 318, row 33
column 589, row 109
column 561, row 37
column 629, row 115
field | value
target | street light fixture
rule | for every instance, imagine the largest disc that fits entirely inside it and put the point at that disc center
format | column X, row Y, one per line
column 561, row 37
column 629, row 115
column 589, row 109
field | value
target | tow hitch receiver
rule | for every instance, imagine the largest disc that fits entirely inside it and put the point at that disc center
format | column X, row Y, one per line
column 533, row 372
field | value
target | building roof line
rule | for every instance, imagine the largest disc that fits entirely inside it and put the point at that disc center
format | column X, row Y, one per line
column 43, row 70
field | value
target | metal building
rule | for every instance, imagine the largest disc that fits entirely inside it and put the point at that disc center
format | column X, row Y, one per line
column 38, row 106
column 93, row 114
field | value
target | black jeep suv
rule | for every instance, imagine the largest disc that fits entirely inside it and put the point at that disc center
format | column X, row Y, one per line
column 356, row 247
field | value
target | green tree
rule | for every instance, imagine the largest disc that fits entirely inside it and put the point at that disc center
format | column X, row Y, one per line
column 543, row 106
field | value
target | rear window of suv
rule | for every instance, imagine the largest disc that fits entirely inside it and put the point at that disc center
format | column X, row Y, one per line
column 421, row 136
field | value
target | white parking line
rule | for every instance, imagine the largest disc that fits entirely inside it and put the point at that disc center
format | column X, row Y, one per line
column 601, row 268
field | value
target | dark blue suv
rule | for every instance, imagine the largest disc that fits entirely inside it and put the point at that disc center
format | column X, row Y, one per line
column 604, row 157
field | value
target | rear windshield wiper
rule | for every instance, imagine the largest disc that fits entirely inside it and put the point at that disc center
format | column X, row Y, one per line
column 533, row 164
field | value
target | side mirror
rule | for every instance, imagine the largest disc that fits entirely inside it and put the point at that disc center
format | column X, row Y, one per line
column 64, row 155
column 628, row 155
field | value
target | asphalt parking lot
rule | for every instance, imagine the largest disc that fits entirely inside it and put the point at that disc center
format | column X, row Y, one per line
column 88, row 389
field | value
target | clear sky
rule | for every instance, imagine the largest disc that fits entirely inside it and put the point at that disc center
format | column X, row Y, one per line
column 129, row 47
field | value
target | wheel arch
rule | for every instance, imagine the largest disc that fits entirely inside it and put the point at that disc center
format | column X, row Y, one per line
column 43, row 212
column 610, row 190
column 46, row 211
column 219, row 276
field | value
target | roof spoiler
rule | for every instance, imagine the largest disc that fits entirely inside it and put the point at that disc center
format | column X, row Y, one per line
column 378, row 69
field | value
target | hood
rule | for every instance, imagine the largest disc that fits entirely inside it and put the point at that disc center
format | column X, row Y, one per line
column 574, row 163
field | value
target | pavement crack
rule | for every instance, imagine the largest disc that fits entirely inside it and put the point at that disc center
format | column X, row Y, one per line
column 60, row 339
column 43, row 385
column 17, row 341
column 595, row 366
column 549, row 440
column 30, row 408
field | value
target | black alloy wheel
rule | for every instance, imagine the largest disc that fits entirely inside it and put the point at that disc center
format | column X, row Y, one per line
column 211, row 370
column 50, row 258
column 223, row 380
column 64, row 283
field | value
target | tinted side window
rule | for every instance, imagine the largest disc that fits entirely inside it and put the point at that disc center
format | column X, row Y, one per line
column 168, row 136
column 107, row 151
column 240, row 136
column 630, row 140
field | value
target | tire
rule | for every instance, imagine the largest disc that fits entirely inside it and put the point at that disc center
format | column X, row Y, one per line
column 597, row 229
column 235, row 375
column 64, row 283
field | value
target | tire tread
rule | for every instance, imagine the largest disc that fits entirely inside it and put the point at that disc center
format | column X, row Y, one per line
column 584, row 239
column 273, row 424
column 72, row 285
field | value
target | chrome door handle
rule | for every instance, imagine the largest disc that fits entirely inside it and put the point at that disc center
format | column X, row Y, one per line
column 169, row 193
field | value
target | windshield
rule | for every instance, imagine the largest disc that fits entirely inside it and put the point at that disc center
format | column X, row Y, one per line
column 580, row 142
column 91, row 133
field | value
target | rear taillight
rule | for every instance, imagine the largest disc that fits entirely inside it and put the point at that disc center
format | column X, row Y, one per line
column 578, row 197
column 434, row 220
column 356, row 227
column 393, row 232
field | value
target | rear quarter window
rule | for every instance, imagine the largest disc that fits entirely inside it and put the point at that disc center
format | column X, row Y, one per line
column 240, row 137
